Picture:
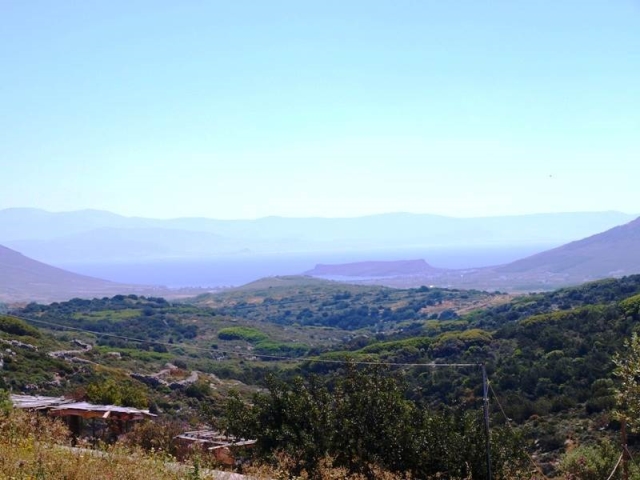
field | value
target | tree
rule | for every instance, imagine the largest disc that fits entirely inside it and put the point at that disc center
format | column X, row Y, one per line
column 627, row 369
column 294, row 419
column 375, row 421
column 362, row 421
column 112, row 392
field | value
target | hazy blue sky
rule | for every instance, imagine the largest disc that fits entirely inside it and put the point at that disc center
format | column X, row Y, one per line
column 242, row 109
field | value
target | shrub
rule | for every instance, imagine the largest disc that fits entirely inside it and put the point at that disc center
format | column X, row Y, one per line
column 155, row 436
column 247, row 334
column 15, row 326
column 590, row 462
column 33, row 446
column 5, row 402
column 110, row 392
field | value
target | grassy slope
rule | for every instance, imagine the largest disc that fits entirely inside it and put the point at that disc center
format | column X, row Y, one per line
column 549, row 358
column 320, row 303
column 193, row 335
column 548, row 355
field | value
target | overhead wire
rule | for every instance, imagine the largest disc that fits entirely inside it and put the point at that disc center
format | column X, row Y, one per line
column 290, row 359
column 626, row 448
column 508, row 421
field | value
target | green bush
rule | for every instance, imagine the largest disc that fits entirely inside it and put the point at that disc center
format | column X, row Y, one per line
column 15, row 326
column 112, row 392
column 362, row 420
column 247, row 334
column 5, row 402
column 592, row 462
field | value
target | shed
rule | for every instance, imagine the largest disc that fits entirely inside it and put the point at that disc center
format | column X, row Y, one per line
column 223, row 447
column 73, row 412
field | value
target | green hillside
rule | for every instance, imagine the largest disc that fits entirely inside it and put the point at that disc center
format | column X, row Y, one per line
column 549, row 357
column 306, row 301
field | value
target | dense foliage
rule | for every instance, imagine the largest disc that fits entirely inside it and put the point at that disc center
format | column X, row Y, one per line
column 15, row 326
column 261, row 342
column 241, row 333
column 540, row 363
column 627, row 370
column 362, row 420
column 342, row 306
column 124, row 391
column 550, row 359
column 117, row 318
column 594, row 293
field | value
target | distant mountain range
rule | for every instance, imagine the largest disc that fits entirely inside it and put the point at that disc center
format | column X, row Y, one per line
column 97, row 236
column 613, row 253
column 102, row 236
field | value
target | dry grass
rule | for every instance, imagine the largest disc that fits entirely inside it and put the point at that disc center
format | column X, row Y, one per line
column 36, row 447
column 326, row 471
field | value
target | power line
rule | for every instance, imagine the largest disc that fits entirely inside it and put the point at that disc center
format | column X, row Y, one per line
column 318, row 360
column 508, row 421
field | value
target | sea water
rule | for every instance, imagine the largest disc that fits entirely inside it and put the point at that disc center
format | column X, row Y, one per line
column 234, row 270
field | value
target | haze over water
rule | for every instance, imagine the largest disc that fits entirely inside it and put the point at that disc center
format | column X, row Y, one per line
column 240, row 269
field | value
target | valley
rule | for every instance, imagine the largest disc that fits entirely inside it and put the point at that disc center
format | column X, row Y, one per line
column 549, row 355
column 349, row 343
column 320, row 240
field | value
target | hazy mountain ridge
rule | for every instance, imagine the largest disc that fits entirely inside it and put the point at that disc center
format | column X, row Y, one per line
column 81, row 236
column 615, row 252
column 121, row 244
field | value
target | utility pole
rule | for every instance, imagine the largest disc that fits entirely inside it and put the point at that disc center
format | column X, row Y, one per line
column 625, row 450
column 487, row 433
